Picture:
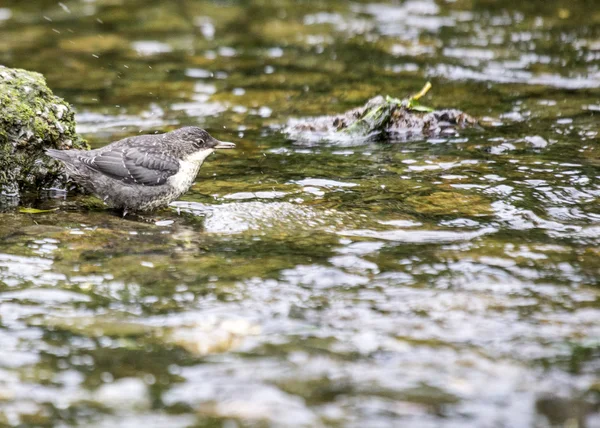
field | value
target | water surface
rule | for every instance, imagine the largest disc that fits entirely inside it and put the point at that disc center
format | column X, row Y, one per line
column 447, row 282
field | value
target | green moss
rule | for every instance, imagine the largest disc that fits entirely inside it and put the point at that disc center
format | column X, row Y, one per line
column 32, row 119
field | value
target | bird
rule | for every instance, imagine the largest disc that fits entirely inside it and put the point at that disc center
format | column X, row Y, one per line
column 144, row 172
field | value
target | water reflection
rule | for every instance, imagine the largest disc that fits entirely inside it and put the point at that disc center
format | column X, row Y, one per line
column 442, row 282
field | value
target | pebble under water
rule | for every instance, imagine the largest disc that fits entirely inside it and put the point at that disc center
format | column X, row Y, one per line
column 442, row 282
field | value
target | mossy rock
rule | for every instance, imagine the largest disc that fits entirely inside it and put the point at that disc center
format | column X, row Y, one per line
column 32, row 119
column 382, row 119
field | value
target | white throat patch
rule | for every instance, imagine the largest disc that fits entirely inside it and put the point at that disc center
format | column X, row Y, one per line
column 188, row 169
column 199, row 156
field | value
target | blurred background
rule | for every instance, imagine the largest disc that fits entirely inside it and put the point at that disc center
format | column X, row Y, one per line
column 442, row 282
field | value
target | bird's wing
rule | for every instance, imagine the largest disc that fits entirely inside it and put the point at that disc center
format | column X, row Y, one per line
column 134, row 165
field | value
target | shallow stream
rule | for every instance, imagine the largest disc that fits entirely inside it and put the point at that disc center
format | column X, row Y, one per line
column 443, row 282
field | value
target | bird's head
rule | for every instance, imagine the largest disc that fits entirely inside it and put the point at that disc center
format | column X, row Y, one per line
column 197, row 143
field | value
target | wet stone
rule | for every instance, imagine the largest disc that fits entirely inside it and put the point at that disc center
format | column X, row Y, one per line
column 381, row 119
column 32, row 119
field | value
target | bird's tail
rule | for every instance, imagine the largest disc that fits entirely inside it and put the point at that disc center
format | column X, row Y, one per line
column 62, row 155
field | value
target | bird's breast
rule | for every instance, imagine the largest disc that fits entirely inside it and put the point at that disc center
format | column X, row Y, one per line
column 183, row 179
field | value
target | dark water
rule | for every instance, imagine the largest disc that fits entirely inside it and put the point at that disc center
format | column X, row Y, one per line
column 437, row 283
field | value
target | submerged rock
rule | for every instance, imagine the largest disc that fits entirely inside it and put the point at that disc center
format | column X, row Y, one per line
column 32, row 119
column 381, row 119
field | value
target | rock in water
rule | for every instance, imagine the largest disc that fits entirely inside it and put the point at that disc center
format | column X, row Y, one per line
column 32, row 119
column 380, row 119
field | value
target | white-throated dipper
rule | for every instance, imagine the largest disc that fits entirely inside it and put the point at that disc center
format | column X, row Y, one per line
column 143, row 172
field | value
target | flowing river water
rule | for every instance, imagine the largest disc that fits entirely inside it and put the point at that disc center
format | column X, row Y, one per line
column 443, row 282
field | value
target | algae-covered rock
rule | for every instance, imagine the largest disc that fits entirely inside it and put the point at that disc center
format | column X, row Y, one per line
column 32, row 119
column 381, row 118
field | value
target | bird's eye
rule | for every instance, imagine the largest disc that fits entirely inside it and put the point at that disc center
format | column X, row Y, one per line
column 198, row 143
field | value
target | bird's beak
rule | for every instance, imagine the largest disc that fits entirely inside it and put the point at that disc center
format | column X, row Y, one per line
column 224, row 145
